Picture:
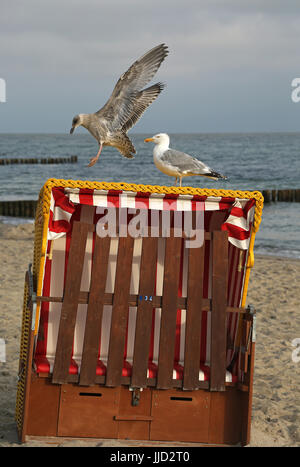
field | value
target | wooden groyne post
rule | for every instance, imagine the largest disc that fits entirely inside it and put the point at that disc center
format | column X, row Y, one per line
column 22, row 208
column 42, row 160
column 288, row 196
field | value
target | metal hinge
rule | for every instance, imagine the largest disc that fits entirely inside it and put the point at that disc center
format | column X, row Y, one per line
column 251, row 310
column 32, row 296
column 254, row 329
column 240, row 265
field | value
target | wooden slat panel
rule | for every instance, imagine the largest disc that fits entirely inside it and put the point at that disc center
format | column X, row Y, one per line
column 193, row 318
column 144, row 312
column 70, row 302
column 218, row 318
column 94, row 311
column 126, row 381
column 216, row 220
column 119, row 312
column 157, row 232
column 169, row 312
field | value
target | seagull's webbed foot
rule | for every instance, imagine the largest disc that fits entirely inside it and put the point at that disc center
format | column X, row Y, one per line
column 93, row 160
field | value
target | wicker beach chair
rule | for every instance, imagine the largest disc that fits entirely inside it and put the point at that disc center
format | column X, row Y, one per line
column 141, row 334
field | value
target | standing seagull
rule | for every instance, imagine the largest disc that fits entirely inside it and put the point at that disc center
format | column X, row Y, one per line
column 125, row 106
column 178, row 164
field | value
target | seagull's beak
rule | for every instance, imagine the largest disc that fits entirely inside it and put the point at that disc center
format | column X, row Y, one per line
column 72, row 129
column 147, row 140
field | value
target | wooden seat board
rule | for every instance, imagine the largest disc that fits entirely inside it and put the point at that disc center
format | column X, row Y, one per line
column 94, row 311
column 70, row 302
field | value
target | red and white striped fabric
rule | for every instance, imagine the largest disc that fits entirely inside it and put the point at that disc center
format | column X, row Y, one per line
column 64, row 201
column 68, row 205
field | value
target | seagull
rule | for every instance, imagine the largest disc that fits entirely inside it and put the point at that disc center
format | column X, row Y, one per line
column 178, row 164
column 127, row 103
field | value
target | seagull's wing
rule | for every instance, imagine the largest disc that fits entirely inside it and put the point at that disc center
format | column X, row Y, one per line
column 187, row 165
column 140, row 103
column 120, row 107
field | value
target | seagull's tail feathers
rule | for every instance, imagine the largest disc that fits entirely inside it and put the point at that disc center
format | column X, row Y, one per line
column 216, row 176
column 123, row 144
column 212, row 175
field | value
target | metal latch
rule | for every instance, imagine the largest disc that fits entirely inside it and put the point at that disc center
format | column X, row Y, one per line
column 147, row 298
column 136, row 394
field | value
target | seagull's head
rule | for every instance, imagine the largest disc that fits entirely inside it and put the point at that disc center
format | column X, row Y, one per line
column 77, row 121
column 161, row 139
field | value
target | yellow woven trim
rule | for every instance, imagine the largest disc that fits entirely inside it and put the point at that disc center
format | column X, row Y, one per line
column 53, row 182
column 40, row 245
column 250, row 264
column 20, row 400
column 43, row 211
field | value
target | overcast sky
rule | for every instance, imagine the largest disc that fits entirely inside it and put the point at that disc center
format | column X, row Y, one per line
column 230, row 66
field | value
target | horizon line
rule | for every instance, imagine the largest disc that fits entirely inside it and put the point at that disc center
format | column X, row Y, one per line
column 147, row 132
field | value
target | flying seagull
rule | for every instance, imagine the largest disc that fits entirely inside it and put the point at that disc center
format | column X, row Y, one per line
column 178, row 164
column 125, row 106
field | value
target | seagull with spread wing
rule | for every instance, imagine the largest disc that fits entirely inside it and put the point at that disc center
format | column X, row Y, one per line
column 125, row 106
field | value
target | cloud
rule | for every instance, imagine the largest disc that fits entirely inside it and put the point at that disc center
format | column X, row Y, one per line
column 71, row 53
column 100, row 35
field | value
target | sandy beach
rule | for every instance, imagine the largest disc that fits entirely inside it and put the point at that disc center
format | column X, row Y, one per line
column 274, row 291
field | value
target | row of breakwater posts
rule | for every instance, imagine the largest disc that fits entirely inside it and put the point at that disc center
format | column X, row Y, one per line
column 22, row 208
column 290, row 195
column 26, row 208
column 42, row 160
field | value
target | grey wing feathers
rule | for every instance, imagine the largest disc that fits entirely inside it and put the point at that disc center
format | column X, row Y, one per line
column 142, row 70
column 184, row 162
column 188, row 165
column 127, row 92
column 141, row 102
